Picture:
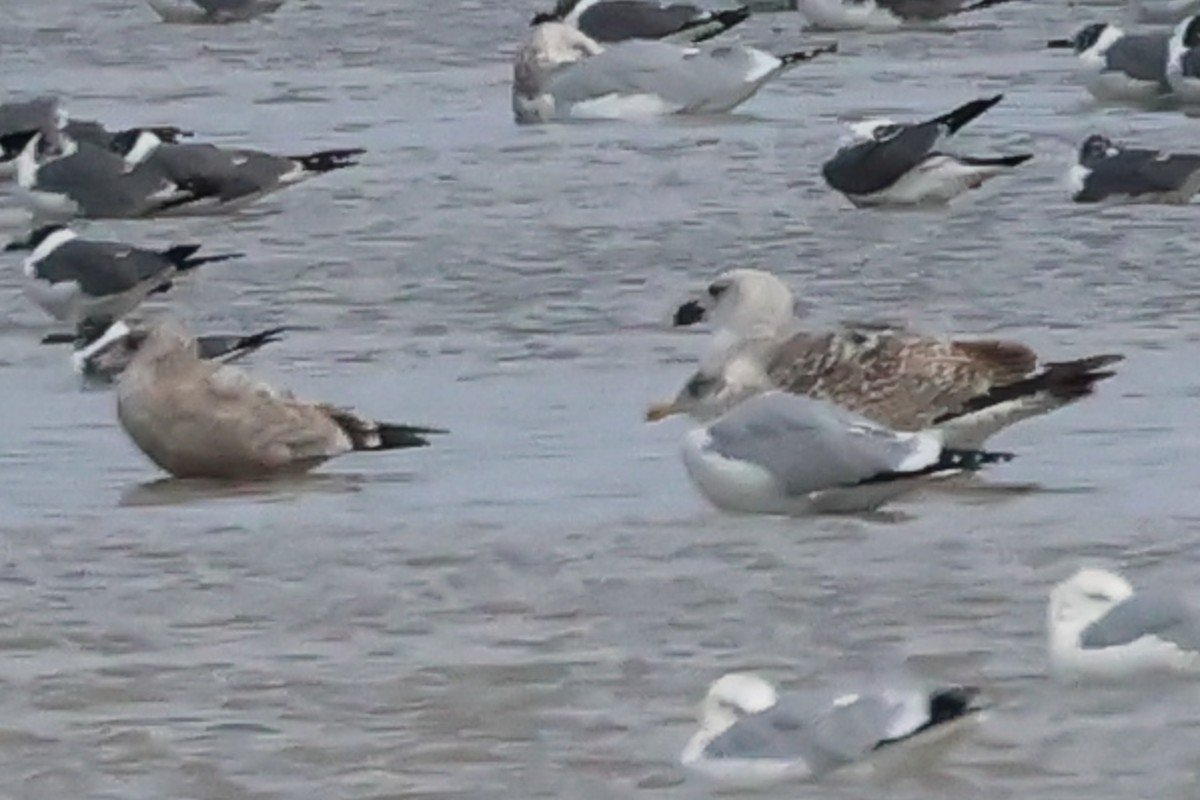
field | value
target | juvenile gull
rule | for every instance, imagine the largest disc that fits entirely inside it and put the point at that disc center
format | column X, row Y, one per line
column 102, row 352
column 74, row 279
column 229, row 177
column 903, row 379
column 212, row 12
column 1107, row 172
column 1118, row 67
column 197, row 419
column 780, row 453
column 749, row 733
column 1183, row 64
column 884, row 15
column 1099, row 627
column 560, row 73
column 899, row 164
column 609, row 21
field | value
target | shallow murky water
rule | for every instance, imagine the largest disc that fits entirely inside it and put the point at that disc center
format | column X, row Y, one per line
column 532, row 607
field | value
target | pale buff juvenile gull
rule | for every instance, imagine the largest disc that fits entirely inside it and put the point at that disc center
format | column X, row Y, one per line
column 1099, row 627
column 903, row 379
column 197, row 419
column 750, row 734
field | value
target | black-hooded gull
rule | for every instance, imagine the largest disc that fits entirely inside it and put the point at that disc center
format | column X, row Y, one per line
column 1117, row 67
column 1108, row 172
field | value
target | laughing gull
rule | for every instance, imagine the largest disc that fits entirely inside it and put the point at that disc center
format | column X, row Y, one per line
column 884, row 15
column 230, row 178
column 749, row 734
column 198, row 419
column 101, row 348
column 907, row 380
column 63, row 178
column 1119, row 67
column 561, row 73
column 212, row 12
column 1099, row 627
column 1183, row 65
column 780, row 453
column 74, row 279
column 898, row 164
column 608, row 21
column 1107, row 172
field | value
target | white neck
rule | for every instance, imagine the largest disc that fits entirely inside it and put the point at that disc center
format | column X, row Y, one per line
column 143, row 147
column 577, row 11
column 50, row 244
column 714, row 722
column 26, row 163
column 115, row 332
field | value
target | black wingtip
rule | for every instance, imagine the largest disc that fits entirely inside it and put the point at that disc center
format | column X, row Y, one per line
column 59, row 338
column 809, row 55
column 954, row 460
column 329, row 160
column 1060, row 44
column 687, row 314
column 981, row 5
column 959, row 117
column 393, row 437
column 997, row 161
column 732, row 16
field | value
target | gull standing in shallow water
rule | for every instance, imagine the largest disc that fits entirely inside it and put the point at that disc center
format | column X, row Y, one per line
column 1107, row 172
column 906, row 380
column 608, row 21
column 1099, row 627
column 561, row 73
column 1119, row 67
column 780, row 453
column 898, row 164
column 749, row 734
column 197, row 419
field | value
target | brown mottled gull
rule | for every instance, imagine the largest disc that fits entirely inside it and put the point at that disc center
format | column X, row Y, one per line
column 197, row 419
column 903, row 379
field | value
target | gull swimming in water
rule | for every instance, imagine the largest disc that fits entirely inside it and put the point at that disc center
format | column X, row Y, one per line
column 608, row 21
column 213, row 12
column 884, row 15
column 899, row 164
column 1099, row 627
column 1108, row 172
column 1183, row 61
column 780, row 453
column 561, row 73
column 906, row 380
column 750, row 734
column 74, row 279
column 198, row 419
column 1118, row 67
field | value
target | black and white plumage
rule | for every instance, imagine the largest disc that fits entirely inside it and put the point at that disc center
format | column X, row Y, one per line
column 884, row 15
column 229, row 178
column 74, row 279
column 894, row 164
column 1108, row 172
column 1118, row 67
column 213, row 12
column 608, row 21
column 750, row 734
column 1183, row 61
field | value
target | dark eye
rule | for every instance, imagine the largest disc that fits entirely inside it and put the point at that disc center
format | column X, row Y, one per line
column 701, row 385
column 717, row 289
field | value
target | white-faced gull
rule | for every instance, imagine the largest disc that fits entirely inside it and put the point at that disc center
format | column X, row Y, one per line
column 1108, row 172
column 749, row 734
column 903, row 379
column 1183, row 61
column 74, row 279
column 1117, row 67
column 780, row 453
column 213, row 12
column 561, row 73
column 1099, row 627
column 198, row 419
column 609, row 21
column 884, row 15
column 900, row 164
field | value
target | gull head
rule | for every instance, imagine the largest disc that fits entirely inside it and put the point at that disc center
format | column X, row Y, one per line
column 1099, row 35
column 1187, row 33
column 1097, row 147
column 744, row 303
column 710, row 393
column 872, row 130
column 1082, row 599
column 102, row 348
column 730, row 698
column 554, row 44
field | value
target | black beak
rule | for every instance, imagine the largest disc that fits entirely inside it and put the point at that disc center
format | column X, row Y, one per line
column 689, row 313
column 16, row 244
column 12, row 144
column 1061, row 44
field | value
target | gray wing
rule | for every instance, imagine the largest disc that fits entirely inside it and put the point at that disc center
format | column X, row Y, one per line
column 618, row 20
column 102, row 268
column 1137, row 171
column 809, row 445
column 28, row 115
column 227, row 174
column 921, row 9
column 1165, row 615
column 689, row 77
column 224, row 6
column 869, row 167
column 1142, row 56
column 100, row 183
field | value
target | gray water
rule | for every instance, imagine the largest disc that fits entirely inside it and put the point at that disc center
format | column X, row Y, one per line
column 533, row 607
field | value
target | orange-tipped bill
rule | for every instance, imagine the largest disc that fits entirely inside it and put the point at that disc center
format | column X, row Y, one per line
column 660, row 411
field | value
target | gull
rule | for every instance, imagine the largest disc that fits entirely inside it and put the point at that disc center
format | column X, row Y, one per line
column 608, row 21
column 198, row 419
column 1119, row 67
column 101, row 348
column 780, row 453
column 229, row 177
column 74, row 279
column 1107, row 172
column 560, row 73
column 898, row 164
column 213, row 12
column 884, row 15
column 1183, row 61
column 750, row 734
column 904, row 379
column 1099, row 627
